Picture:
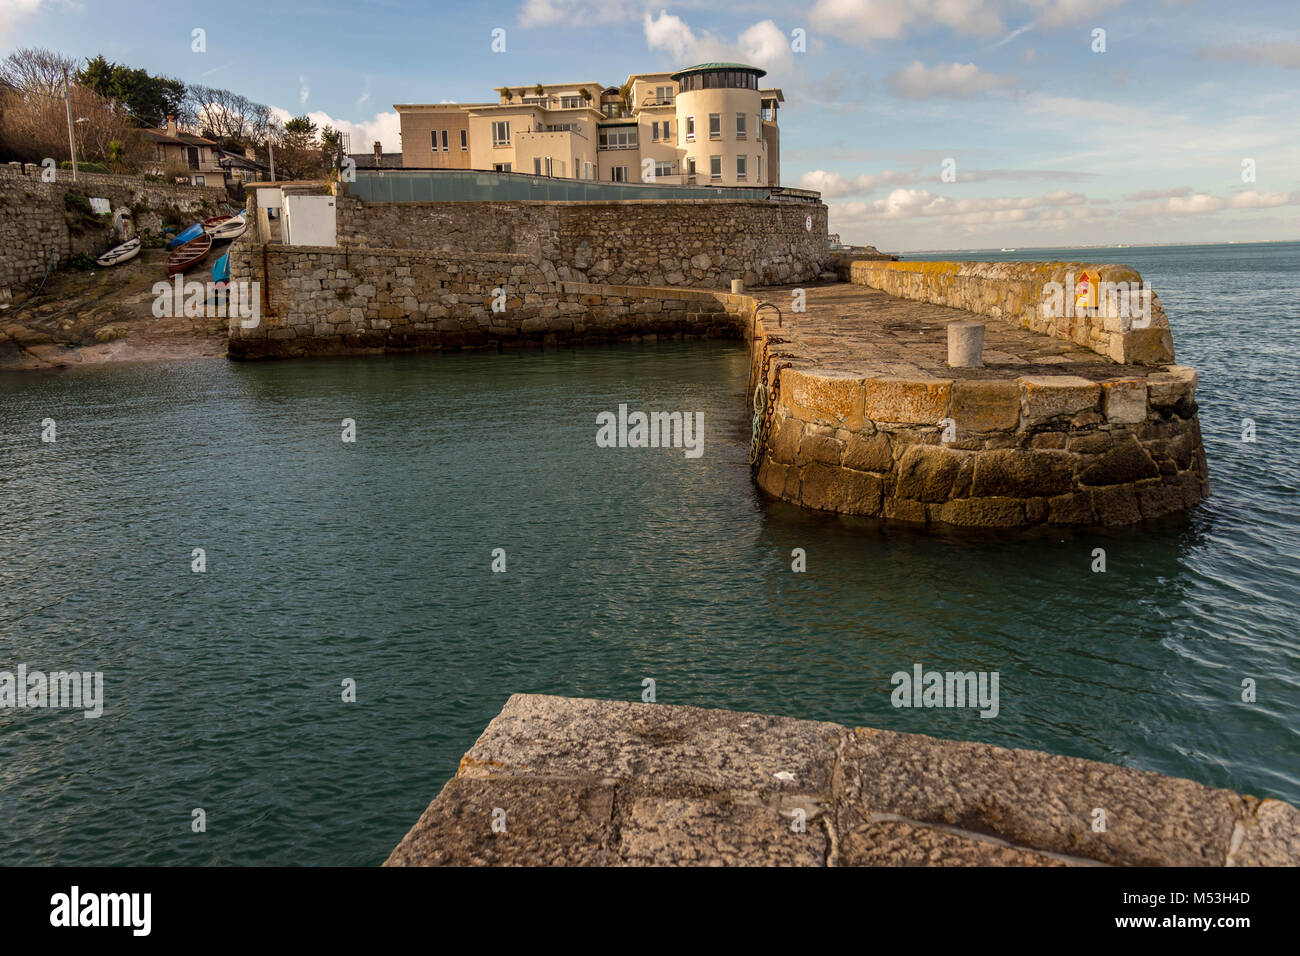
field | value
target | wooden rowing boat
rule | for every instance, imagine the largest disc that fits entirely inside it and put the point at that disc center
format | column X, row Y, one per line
column 212, row 222
column 186, row 235
column 230, row 230
column 118, row 254
column 190, row 254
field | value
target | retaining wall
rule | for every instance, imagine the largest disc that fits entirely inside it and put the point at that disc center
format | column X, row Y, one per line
column 35, row 225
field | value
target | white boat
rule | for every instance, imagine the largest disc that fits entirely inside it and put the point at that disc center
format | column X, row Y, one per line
column 119, row 254
column 231, row 229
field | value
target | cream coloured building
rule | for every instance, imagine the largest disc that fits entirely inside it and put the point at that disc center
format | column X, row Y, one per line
column 710, row 124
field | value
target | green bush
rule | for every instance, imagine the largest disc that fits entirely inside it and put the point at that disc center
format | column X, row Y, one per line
column 85, row 167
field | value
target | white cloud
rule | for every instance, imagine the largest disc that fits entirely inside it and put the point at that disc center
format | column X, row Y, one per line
column 763, row 44
column 11, row 11
column 916, row 81
column 831, row 185
column 1278, row 54
column 304, row 91
column 385, row 127
column 919, row 203
column 541, row 13
column 1198, row 203
column 866, row 20
column 1144, row 195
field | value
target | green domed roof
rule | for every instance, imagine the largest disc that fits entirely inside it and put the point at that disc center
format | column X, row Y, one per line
column 711, row 67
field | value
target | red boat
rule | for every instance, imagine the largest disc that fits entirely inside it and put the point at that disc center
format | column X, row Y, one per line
column 190, row 254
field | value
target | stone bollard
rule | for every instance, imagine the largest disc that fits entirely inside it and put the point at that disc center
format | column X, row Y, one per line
column 737, row 286
column 965, row 344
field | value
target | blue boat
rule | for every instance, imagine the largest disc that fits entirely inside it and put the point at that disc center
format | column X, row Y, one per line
column 221, row 271
column 193, row 232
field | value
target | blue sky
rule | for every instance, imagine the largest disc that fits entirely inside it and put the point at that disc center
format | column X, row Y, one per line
column 1186, row 127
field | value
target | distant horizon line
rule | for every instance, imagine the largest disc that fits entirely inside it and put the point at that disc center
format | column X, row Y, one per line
column 966, row 250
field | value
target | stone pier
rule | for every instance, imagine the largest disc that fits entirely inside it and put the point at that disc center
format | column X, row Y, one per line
column 1087, row 421
column 557, row 781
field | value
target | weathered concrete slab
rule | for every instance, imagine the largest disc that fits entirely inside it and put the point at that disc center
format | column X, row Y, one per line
column 560, row 781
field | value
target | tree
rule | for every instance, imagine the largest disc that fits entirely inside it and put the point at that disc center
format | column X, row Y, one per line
column 37, row 71
column 149, row 99
column 36, row 128
column 331, row 147
column 298, row 153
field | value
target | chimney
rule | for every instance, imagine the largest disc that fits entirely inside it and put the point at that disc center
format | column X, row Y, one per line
column 171, row 125
column 379, row 154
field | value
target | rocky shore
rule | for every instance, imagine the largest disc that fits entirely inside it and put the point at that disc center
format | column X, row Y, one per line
column 102, row 315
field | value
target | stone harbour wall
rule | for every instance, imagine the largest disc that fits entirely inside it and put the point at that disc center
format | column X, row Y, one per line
column 1017, row 292
column 35, row 225
column 998, row 453
column 695, row 242
column 334, row 301
column 610, row 783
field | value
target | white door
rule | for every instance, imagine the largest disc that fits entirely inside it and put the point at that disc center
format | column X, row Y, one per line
column 309, row 221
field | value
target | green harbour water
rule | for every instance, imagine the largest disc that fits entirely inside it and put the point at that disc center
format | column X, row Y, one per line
column 371, row 562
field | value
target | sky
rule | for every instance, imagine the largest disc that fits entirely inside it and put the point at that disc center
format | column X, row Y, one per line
column 931, row 124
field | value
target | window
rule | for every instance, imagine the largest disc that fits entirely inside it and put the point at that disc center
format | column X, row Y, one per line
column 550, row 169
column 740, row 166
column 586, row 170
column 715, row 167
column 200, row 181
column 501, row 167
column 654, row 131
column 537, row 165
column 664, row 95
column 570, row 102
column 464, row 140
column 433, row 136
column 501, row 133
column 444, row 141
column 690, row 128
column 618, row 137
column 740, row 126
column 618, row 174
column 667, row 130
column 715, row 126
column 690, row 166
column 663, row 169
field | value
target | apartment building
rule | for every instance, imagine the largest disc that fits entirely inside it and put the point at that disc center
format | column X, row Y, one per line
column 710, row 124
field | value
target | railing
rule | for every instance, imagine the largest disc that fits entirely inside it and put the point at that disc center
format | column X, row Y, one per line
column 458, row 185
